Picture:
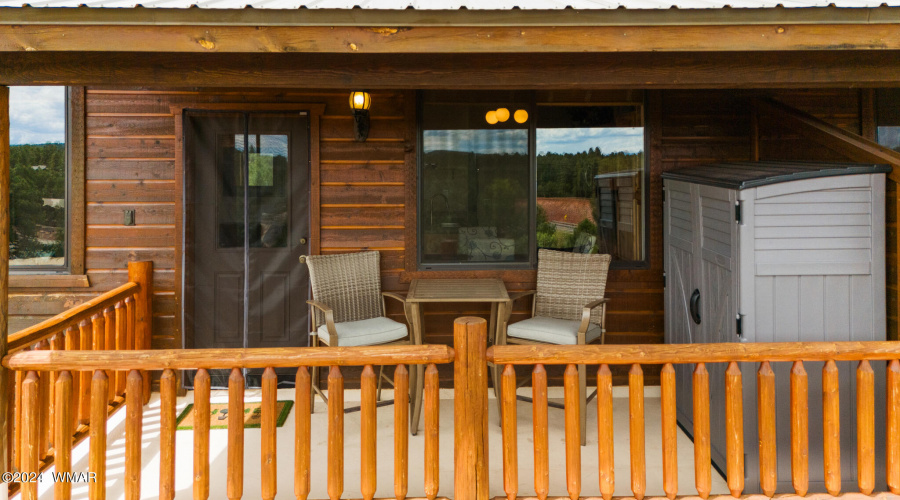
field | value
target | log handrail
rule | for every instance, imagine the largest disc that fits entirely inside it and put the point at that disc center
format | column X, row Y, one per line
column 47, row 328
column 276, row 357
column 691, row 353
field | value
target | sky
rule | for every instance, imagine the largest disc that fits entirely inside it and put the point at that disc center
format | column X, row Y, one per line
column 37, row 115
column 555, row 140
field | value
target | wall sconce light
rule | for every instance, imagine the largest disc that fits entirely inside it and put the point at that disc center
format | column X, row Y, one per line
column 359, row 103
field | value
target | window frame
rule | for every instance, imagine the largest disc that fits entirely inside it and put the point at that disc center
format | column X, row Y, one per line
column 71, row 274
column 533, row 107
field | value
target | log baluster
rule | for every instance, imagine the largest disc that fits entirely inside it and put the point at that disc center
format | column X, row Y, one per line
column 432, row 404
column 636, row 431
column 167, row 393
column 18, row 424
column 73, row 343
column 302, row 429
column 892, row 427
column 541, row 432
column 121, row 343
column 702, row 456
column 129, row 324
column 62, row 438
column 799, row 429
column 831, row 427
column 668, row 410
column 510, row 433
column 99, row 414
column 368, row 433
column 865, row 427
column 45, row 400
column 57, row 342
column 85, row 337
column 98, row 332
column 401, row 435
column 134, row 428
column 335, row 433
column 109, row 344
column 31, row 439
column 235, row 477
column 268, row 429
column 765, row 407
column 573, row 432
column 605, row 434
column 201, row 433
column 734, row 429
column 141, row 272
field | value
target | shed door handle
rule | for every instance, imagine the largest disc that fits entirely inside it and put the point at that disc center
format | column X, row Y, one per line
column 695, row 306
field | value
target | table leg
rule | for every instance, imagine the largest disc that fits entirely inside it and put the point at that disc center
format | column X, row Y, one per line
column 417, row 372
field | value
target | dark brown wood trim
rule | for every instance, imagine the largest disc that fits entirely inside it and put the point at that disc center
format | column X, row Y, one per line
column 411, row 250
column 76, row 140
column 867, row 126
column 448, row 39
column 736, row 70
column 182, row 296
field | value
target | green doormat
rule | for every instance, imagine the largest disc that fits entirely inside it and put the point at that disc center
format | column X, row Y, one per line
column 218, row 415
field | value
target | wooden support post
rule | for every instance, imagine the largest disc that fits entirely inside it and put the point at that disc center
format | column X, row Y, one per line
column 892, row 428
column 470, row 409
column 4, row 270
column 142, row 273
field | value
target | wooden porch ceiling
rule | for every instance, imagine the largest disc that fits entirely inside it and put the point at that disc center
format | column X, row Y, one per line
column 465, row 71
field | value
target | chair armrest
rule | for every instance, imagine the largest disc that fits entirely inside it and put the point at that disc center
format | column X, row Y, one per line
column 329, row 317
column 395, row 296
column 586, row 314
column 518, row 295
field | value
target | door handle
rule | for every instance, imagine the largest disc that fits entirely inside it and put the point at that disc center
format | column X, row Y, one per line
column 695, row 306
column 303, row 259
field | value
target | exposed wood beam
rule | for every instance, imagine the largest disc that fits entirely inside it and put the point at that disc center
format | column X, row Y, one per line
column 458, row 17
column 5, row 424
column 378, row 40
column 463, row 71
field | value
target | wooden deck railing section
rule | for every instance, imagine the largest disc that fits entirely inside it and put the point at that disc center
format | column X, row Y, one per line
column 51, row 410
column 99, row 363
column 700, row 355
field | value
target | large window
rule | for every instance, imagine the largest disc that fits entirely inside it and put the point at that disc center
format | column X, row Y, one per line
column 888, row 118
column 501, row 176
column 38, row 178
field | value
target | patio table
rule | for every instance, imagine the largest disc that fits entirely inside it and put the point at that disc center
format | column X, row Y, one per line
column 490, row 290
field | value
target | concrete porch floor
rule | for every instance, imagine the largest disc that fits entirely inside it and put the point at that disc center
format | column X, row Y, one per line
column 218, row 444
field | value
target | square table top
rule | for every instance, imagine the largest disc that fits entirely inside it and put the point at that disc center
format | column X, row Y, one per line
column 457, row 290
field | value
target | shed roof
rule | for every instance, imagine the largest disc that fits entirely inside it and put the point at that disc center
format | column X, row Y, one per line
column 744, row 175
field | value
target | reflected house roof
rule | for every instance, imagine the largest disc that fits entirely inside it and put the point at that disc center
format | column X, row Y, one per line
column 568, row 211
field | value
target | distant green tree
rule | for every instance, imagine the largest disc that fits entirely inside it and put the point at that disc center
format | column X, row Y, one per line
column 37, row 171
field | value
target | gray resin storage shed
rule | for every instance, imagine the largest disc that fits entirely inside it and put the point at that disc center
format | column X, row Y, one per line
column 776, row 252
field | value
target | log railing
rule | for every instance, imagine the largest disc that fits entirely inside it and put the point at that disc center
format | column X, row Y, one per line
column 304, row 359
column 700, row 354
column 51, row 410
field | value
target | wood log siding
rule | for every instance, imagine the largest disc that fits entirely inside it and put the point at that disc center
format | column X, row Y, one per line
column 368, row 189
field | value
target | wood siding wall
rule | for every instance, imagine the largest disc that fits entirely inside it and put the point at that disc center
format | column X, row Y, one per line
column 367, row 192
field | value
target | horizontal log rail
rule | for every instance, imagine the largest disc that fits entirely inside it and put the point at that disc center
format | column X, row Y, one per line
column 700, row 355
column 50, row 410
column 192, row 359
column 693, row 353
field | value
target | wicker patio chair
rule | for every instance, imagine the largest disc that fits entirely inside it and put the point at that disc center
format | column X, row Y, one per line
column 568, row 308
column 348, row 306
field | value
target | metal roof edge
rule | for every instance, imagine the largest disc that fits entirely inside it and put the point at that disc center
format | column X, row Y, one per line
column 247, row 16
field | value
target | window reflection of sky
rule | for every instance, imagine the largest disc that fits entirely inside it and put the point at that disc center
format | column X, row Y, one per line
column 889, row 137
column 37, row 115
column 275, row 145
column 551, row 140
column 576, row 140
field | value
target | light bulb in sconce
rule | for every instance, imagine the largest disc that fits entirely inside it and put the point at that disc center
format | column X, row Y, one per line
column 502, row 114
column 491, row 117
column 521, row 116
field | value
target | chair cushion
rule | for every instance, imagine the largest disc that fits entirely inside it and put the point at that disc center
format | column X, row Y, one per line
column 552, row 330
column 365, row 332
